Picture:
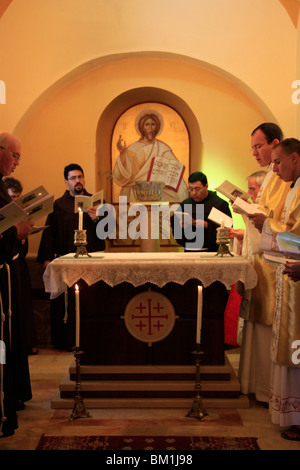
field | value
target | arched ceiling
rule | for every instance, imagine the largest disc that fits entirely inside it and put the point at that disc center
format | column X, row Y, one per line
column 4, row 4
column 292, row 7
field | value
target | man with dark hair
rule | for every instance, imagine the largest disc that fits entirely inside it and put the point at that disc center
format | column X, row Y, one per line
column 285, row 367
column 72, row 167
column 200, row 194
column 255, row 360
column 270, row 130
column 58, row 240
column 14, row 188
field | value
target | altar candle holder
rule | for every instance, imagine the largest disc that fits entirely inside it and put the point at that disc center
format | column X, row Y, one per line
column 80, row 242
column 198, row 410
column 223, row 241
column 79, row 410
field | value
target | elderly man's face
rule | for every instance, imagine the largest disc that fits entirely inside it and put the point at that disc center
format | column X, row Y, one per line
column 253, row 188
column 10, row 151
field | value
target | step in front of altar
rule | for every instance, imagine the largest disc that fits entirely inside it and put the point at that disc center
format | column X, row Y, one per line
column 150, row 386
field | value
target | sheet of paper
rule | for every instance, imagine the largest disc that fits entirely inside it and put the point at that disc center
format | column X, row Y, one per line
column 217, row 216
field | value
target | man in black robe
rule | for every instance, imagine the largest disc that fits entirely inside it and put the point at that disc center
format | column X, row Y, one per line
column 58, row 240
column 14, row 188
column 198, row 220
column 15, row 379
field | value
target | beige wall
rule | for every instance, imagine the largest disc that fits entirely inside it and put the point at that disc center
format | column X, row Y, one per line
column 225, row 66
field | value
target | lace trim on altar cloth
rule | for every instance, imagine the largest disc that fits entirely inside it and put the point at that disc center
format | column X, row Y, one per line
column 138, row 268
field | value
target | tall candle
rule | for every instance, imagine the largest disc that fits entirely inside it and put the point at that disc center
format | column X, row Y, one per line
column 77, row 311
column 199, row 315
column 80, row 219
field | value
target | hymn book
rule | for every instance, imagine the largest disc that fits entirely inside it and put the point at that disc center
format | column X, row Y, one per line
column 231, row 191
column 30, row 207
column 289, row 243
column 282, row 248
column 245, row 208
column 170, row 172
column 86, row 202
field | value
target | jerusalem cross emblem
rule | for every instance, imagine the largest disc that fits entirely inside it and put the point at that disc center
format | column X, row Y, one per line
column 149, row 317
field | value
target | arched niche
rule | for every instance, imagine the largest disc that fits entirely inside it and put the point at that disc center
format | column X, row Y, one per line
column 125, row 101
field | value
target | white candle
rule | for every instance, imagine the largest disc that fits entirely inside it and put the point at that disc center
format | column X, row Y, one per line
column 77, row 310
column 222, row 223
column 199, row 315
column 80, row 219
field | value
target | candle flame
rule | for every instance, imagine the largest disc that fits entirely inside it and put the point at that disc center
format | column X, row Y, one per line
column 76, row 287
column 79, row 209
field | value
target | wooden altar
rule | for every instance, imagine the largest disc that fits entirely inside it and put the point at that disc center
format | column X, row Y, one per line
column 118, row 366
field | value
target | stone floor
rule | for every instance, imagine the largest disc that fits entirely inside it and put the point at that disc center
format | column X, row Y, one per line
column 49, row 367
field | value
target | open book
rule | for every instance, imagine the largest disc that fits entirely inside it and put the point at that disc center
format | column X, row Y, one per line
column 85, row 202
column 33, row 206
column 245, row 208
column 277, row 257
column 217, row 216
column 282, row 248
column 289, row 243
column 231, row 191
column 168, row 171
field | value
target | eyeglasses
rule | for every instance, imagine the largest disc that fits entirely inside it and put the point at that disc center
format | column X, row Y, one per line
column 73, row 178
column 196, row 189
column 16, row 156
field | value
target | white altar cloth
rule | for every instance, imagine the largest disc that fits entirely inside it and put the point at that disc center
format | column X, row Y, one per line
column 139, row 268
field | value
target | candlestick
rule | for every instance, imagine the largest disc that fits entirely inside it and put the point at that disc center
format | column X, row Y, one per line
column 80, row 224
column 199, row 315
column 77, row 305
column 223, row 240
column 198, row 409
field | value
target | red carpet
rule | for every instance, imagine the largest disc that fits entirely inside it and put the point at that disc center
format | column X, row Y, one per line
column 171, row 443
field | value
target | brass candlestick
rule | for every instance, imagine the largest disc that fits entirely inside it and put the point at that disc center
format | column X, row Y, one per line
column 81, row 242
column 79, row 410
column 198, row 410
column 223, row 241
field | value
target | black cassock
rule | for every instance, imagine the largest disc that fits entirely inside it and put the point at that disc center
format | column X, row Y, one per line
column 210, row 233
column 16, row 379
column 58, row 240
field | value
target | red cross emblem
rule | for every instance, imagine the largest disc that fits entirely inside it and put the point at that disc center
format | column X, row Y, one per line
column 149, row 316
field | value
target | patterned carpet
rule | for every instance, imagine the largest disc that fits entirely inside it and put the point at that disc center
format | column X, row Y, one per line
column 167, row 443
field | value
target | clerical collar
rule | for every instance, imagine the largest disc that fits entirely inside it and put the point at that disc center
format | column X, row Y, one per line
column 294, row 182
